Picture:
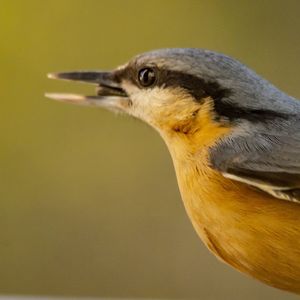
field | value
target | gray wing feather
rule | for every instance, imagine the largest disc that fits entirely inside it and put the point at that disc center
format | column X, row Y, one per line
column 267, row 157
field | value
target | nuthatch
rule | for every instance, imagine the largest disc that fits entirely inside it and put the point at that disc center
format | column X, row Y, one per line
column 235, row 143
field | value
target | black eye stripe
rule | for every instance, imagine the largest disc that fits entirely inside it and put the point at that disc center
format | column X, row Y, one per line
column 194, row 85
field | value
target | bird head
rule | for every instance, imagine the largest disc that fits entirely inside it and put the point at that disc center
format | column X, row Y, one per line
column 180, row 91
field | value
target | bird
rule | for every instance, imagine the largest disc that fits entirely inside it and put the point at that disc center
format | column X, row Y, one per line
column 234, row 139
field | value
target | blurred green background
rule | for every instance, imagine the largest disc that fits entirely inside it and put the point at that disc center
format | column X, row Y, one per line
column 89, row 201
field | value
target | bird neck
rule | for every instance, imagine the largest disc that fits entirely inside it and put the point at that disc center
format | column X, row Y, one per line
column 190, row 154
column 207, row 195
column 191, row 138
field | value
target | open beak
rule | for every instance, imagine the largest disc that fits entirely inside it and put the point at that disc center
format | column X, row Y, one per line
column 109, row 92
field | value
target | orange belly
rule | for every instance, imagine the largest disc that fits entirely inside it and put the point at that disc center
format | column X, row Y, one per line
column 246, row 228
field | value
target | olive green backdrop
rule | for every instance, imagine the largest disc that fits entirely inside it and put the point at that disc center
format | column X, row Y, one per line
column 89, row 204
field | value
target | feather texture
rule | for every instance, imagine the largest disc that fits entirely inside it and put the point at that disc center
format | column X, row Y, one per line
column 267, row 157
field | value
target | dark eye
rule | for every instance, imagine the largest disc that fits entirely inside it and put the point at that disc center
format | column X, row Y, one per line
column 147, row 77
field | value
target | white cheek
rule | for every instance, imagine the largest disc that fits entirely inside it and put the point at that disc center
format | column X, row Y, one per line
column 146, row 101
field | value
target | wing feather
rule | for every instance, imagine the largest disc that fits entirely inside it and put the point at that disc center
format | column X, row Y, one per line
column 267, row 158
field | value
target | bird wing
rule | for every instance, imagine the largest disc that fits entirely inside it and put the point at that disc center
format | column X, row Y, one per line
column 268, row 160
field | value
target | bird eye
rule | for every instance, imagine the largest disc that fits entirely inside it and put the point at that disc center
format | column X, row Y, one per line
column 146, row 77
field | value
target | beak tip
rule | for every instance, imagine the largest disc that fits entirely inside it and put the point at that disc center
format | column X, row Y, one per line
column 50, row 96
column 52, row 75
column 54, row 96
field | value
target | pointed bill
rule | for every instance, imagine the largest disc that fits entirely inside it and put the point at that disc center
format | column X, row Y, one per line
column 109, row 93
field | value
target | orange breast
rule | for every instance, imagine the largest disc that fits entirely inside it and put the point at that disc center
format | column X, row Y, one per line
column 246, row 228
